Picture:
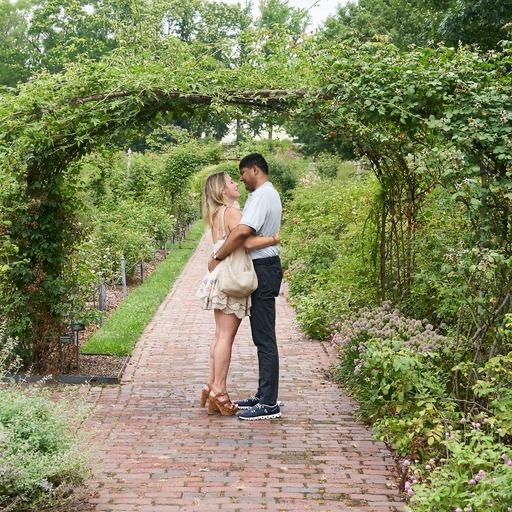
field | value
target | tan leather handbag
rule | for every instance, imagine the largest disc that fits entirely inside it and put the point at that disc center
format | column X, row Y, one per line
column 236, row 274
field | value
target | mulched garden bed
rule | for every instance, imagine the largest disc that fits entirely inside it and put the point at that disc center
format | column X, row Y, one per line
column 107, row 369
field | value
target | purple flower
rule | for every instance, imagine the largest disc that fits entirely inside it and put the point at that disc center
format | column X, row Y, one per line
column 472, row 482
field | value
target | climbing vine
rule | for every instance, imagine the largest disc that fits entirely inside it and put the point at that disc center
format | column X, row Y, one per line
column 423, row 119
column 53, row 121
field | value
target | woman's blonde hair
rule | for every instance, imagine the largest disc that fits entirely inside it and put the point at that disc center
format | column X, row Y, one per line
column 213, row 195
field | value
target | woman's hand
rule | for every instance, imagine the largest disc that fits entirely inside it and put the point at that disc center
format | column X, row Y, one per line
column 277, row 237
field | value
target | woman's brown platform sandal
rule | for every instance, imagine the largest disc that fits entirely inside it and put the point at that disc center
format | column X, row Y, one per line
column 221, row 403
column 205, row 393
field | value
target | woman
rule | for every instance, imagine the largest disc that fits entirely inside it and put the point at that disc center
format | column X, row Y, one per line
column 221, row 213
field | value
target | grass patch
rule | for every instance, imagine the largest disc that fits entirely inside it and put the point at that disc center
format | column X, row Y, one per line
column 125, row 325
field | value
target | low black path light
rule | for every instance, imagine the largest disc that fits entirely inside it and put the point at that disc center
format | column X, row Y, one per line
column 76, row 327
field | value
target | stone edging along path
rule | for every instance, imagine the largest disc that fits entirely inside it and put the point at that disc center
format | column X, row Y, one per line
column 156, row 450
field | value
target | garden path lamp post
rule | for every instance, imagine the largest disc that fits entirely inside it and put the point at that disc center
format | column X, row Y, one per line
column 76, row 327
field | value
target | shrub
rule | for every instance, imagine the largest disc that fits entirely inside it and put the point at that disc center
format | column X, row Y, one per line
column 326, row 165
column 285, row 171
column 395, row 367
column 475, row 475
column 40, row 458
column 127, row 228
column 182, row 161
column 327, row 249
column 400, row 370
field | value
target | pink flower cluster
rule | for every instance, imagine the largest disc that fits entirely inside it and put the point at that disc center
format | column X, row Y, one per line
column 507, row 460
column 480, row 476
column 477, row 477
column 385, row 322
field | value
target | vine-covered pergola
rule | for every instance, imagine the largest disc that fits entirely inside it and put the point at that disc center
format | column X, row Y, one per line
column 389, row 104
column 48, row 125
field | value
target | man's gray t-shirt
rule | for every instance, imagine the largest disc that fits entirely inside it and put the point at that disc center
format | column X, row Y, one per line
column 262, row 212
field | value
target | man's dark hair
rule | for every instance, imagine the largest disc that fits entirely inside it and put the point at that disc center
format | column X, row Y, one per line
column 254, row 159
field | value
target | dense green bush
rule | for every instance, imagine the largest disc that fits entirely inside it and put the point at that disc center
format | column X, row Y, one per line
column 328, row 237
column 128, row 228
column 326, row 165
column 402, row 371
column 397, row 368
column 41, row 460
column 182, row 161
column 475, row 475
column 7, row 248
column 438, row 243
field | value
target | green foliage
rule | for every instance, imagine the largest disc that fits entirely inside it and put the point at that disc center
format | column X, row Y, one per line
column 7, row 248
column 41, row 461
column 424, row 22
column 130, row 229
column 424, row 119
column 328, row 237
column 402, row 392
column 437, row 290
column 476, row 476
column 182, row 162
column 285, row 171
column 481, row 22
column 330, row 166
column 264, row 146
column 400, row 371
column 494, row 385
column 403, row 22
column 123, row 327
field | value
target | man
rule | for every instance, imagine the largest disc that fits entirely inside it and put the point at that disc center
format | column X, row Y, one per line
column 261, row 216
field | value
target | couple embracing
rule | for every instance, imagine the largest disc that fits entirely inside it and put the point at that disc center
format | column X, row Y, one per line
column 252, row 234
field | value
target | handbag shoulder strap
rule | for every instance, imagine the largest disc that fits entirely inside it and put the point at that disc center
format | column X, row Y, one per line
column 222, row 222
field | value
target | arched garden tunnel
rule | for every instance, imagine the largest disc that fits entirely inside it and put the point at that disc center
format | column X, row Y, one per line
column 49, row 125
column 406, row 113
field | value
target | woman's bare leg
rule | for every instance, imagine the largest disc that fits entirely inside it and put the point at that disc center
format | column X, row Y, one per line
column 211, row 378
column 227, row 327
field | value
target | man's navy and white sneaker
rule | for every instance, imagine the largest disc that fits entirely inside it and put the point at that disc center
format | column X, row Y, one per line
column 248, row 402
column 260, row 412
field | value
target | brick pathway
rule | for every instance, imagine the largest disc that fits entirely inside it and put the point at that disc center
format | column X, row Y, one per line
column 157, row 451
